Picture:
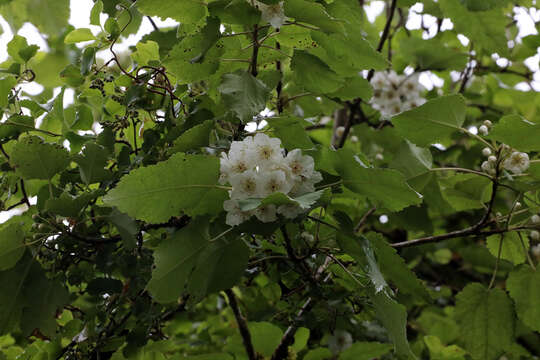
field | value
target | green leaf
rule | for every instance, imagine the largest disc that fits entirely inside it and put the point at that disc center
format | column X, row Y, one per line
column 438, row 351
column 194, row 138
column 87, row 59
column 473, row 5
column 312, row 13
column 220, row 266
column 126, row 226
column 512, row 248
column 265, row 336
column 50, row 17
column 523, row 284
column 486, row 321
column 391, row 314
column 11, row 245
column 412, row 160
column 6, row 84
column 190, row 261
column 244, row 94
column 16, row 44
column 96, row 12
column 92, row 162
column 235, row 12
column 318, row 354
column 79, row 35
column 395, row 269
column 28, row 299
column 356, row 87
column 196, row 56
column 185, row 11
column 35, row 159
column 517, row 132
column 482, row 27
column 291, row 132
column 385, row 187
column 320, row 79
column 175, row 259
column 365, row 351
column 432, row 54
column 183, row 183
column 69, row 205
column 347, row 55
column 432, row 122
column 146, row 51
column 301, row 338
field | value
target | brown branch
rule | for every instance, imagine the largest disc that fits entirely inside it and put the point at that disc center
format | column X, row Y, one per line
column 25, row 195
column 364, row 218
column 242, row 325
column 287, row 339
column 255, row 52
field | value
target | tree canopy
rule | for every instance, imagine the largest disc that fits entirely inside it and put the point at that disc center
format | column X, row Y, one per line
column 295, row 179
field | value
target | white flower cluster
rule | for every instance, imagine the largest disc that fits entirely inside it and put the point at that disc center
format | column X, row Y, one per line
column 255, row 168
column 393, row 93
column 514, row 161
column 272, row 13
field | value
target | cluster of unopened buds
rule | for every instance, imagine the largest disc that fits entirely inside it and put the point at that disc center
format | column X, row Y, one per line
column 393, row 93
column 514, row 161
column 257, row 167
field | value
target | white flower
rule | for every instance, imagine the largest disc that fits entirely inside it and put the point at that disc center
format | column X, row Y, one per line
column 245, row 185
column 272, row 13
column 266, row 213
column 486, row 151
column 487, row 123
column 517, row 163
column 340, row 130
column 266, row 149
column 235, row 216
column 274, row 181
column 535, row 235
column 306, row 184
column 300, row 165
column 535, row 219
column 290, row 211
column 231, row 165
column 341, row 340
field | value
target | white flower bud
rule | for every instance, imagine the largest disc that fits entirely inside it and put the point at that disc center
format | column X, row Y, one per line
column 119, row 7
column 486, row 166
column 486, row 151
column 535, row 235
column 354, row 139
column 535, row 219
column 517, row 205
column 492, row 159
column 340, row 130
column 536, row 250
column 307, row 237
column 379, row 156
column 488, row 123
column 483, row 130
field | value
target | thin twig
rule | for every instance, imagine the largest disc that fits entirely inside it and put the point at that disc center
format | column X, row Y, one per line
column 364, row 218
column 242, row 325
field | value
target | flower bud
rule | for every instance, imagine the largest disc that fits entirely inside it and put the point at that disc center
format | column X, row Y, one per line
column 486, row 151
column 535, row 219
column 379, row 156
column 340, row 130
column 354, row 139
column 535, row 235
column 488, row 123
column 536, row 250
column 483, row 130
column 492, row 159
column 517, row 205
